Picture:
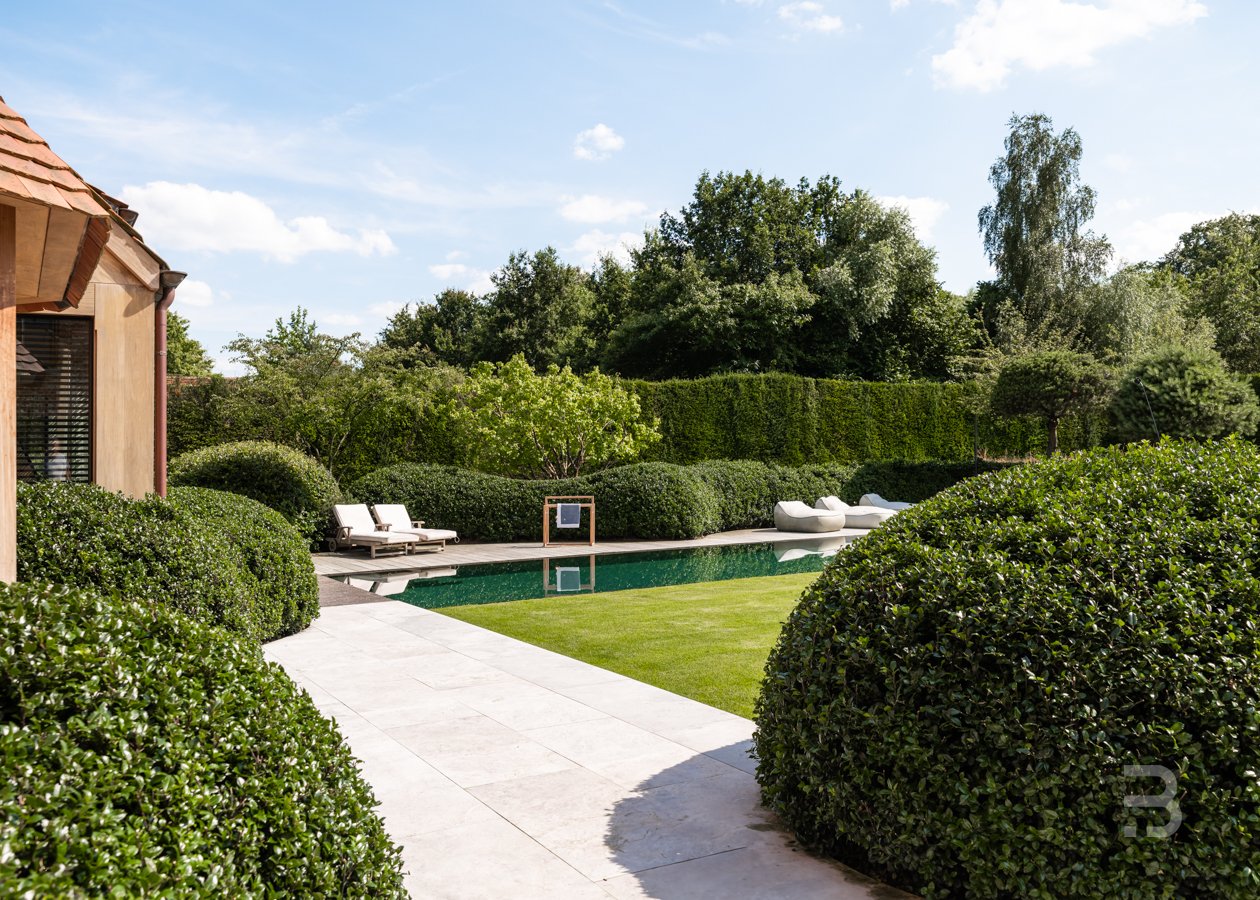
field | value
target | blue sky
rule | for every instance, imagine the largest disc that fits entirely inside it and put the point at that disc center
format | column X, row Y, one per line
column 353, row 157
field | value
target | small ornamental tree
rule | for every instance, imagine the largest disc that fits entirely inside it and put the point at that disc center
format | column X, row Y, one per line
column 1184, row 393
column 1050, row 384
column 554, row 425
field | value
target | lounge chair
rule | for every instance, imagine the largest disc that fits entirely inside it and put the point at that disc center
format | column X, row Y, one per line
column 355, row 528
column 877, row 500
column 793, row 515
column 857, row 516
column 394, row 516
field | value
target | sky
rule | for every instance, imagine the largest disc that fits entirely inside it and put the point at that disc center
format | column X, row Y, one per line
column 352, row 158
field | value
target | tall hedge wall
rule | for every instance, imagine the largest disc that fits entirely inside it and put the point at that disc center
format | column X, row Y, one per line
column 793, row 420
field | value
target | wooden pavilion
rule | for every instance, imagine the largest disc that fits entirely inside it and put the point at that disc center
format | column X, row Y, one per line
column 82, row 333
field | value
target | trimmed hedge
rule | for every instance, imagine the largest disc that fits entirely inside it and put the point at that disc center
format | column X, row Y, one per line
column 291, row 483
column 147, row 550
column 952, row 704
column 649, row 501
column 273, row 553
column 149, row 755
column 792, row 420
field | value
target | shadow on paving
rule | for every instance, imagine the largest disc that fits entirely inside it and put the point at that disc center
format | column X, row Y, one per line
column 690, row 834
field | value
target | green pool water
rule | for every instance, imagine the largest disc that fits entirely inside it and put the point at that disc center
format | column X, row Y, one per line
column 436, row 588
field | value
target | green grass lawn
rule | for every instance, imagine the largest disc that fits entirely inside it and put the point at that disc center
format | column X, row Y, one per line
column 704, row 641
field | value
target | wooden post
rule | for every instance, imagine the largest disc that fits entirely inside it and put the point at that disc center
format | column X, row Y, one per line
column 8, row 394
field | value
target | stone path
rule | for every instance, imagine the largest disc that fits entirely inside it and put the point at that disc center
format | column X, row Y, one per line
column 506, row 770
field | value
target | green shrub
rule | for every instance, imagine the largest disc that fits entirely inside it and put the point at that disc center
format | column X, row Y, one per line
column 149, row 755
column 147, row 550
column 793, row 420
column 1187, row 393
column 952, row 704
column 292, row 484
column 649, row 501
column 273, row 553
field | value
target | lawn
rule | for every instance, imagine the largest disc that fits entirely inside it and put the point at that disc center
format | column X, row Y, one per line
column 705, row 641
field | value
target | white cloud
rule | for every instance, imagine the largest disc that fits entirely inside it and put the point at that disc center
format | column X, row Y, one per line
column 191, row 217
column 386, row 309
column 470, row 279
column 1149, row 239
column 593, row 209
column 599, row 142
column 194, row 293
column 1046, row 34
column 807, row 15
column 1118, row 162
column 341, row 320
column 924, row 212
column 594, row 244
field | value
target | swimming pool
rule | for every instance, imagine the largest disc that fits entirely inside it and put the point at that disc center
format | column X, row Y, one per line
column 595, row 573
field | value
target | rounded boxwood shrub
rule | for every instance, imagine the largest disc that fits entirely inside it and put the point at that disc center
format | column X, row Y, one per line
column 651, row 501
column 1183, row 393
column 149, row 755
column 148, row 550
column 291, row 483
column 953, row 704
column 272, row 551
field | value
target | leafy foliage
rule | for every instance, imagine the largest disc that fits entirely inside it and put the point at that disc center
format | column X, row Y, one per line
column 1034, row 232
column 1139, row 310
column 952, row 703
column 273, row 553
column 756, row 275
column 649, row 501
column 147, row 754
column 148, row 550
column 1182, row 393
column 792, row 420
column 1051, row 384
column 184, row 353
column 516, row 422
column 332, row 398
column 1220, row 260
column 294, row 485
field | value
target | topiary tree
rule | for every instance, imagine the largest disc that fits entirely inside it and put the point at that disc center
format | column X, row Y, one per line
column 148, row 755
column 1185, row 393
column 146, row 550
column 516, row 422
column 1049, row 384
column 953, row 704
column 292, row 484
column 272, row 552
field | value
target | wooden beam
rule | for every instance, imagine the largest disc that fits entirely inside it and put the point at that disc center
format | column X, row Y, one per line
column 8, row 394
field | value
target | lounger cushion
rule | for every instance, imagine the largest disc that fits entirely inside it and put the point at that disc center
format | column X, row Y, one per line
column 381, row 537
column 877, row 500
column 793, row 515
column 857, row 516
column 396, row 517
column 355, row 516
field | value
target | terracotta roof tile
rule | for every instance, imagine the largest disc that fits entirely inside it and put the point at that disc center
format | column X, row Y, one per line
column 30, row 170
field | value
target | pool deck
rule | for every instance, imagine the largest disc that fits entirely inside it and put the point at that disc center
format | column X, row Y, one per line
column 507, row 770
column 357, row 562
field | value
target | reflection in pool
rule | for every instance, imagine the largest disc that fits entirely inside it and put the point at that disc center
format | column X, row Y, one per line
column 591, row 573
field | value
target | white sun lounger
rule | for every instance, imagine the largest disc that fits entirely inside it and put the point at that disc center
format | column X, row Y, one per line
column 856, row 516
column 793, row 515
column 877, row 500
column 356, row 528
column 395, row 517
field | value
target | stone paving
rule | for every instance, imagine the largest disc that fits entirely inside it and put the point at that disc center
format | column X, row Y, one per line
column 506, row 770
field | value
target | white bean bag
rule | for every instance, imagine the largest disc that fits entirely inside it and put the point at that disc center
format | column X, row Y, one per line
column 877, row 500
column 857, row 516
column 793, row 515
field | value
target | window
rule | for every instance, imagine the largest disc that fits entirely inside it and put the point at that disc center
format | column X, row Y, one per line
column 54, row 398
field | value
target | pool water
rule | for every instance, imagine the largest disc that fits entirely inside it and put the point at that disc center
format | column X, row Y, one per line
column 595, row 573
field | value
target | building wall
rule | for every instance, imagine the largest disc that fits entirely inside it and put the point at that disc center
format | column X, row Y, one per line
column 122, row 433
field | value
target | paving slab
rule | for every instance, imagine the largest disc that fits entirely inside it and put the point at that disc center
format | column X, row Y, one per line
column 507, row 770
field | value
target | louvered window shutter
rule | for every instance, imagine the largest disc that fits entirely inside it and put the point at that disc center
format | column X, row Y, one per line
column 54, row 398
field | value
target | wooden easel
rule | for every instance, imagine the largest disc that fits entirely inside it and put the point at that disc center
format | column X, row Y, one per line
column 586, row 501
